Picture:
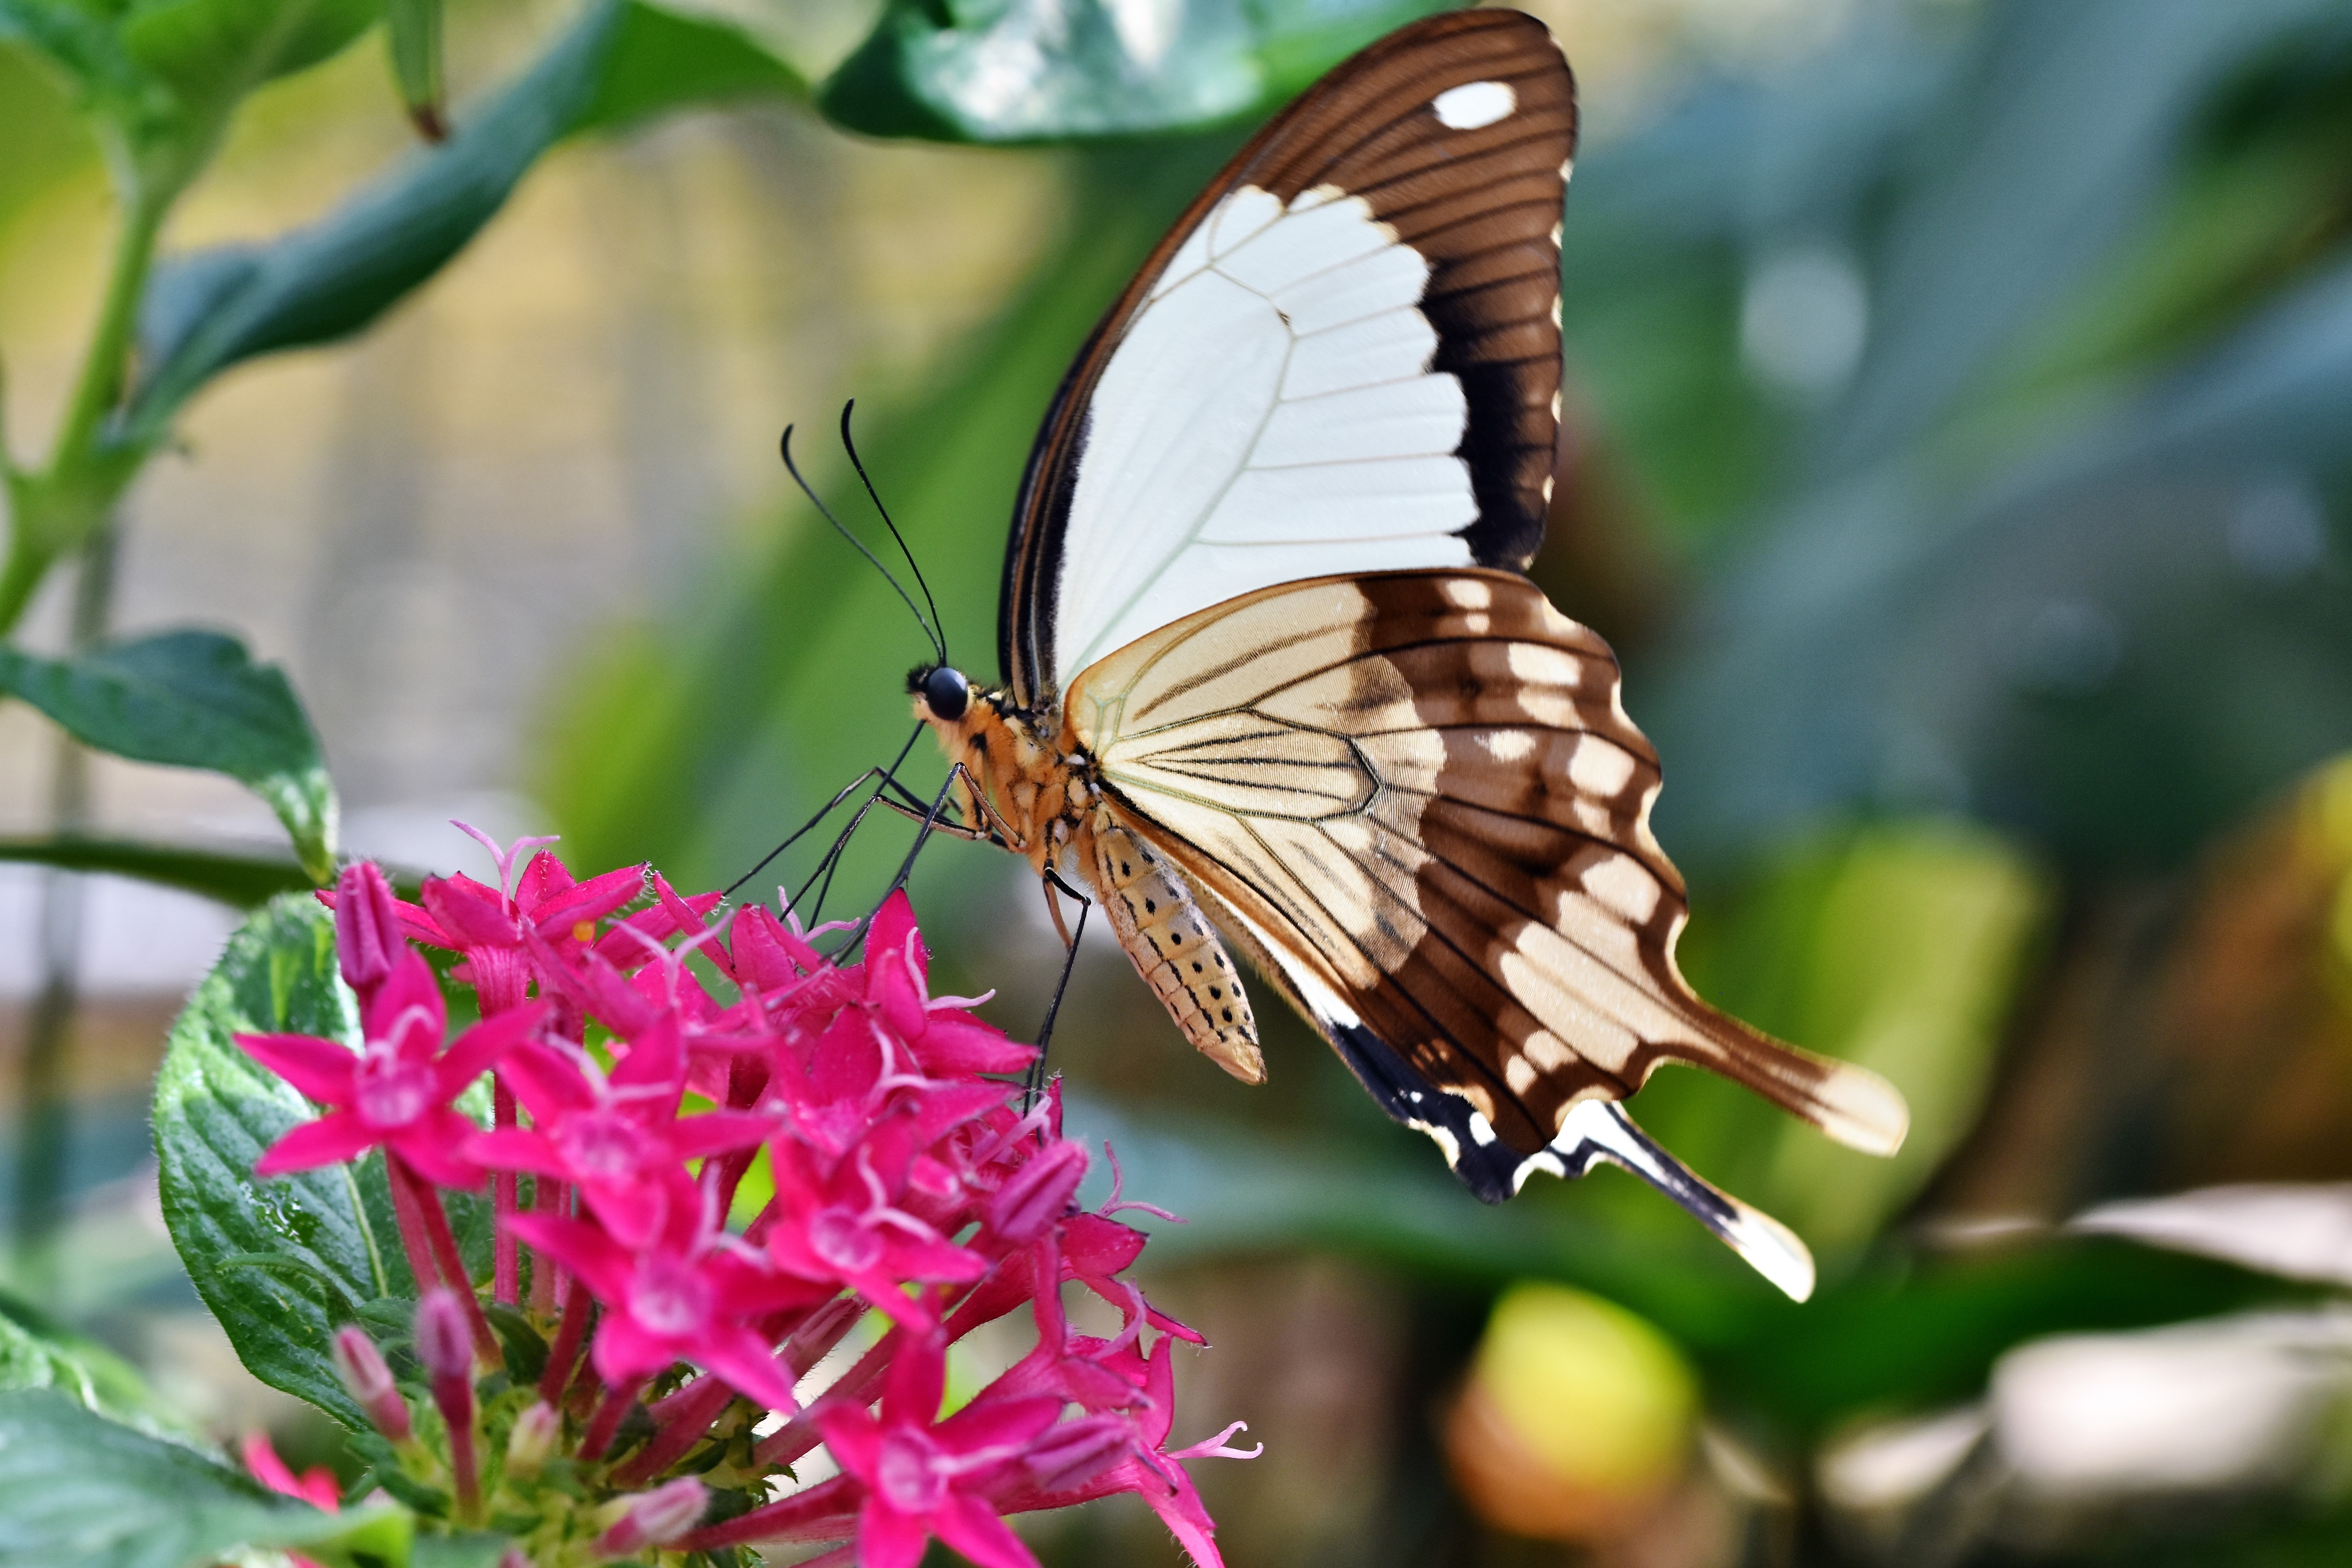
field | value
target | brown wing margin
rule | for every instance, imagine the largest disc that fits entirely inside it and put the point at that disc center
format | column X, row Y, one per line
column 1482, row 205
column 1493, row 910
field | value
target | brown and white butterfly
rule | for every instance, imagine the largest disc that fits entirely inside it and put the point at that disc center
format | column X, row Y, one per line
column 1266, row 649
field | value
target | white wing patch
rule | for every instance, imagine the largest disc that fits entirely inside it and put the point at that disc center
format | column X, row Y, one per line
column 1270, row 415
column 1473, row 105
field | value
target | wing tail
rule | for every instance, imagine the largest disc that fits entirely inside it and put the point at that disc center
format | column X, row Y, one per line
column 1851, row 1104
column 1596, row 1129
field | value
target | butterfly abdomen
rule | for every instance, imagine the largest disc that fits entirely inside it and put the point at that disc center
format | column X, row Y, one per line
column 1175, row 949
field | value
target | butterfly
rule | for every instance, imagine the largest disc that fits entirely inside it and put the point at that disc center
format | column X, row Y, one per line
column 1270, row 665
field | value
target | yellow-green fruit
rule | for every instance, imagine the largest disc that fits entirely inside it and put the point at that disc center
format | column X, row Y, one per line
column 1576, row 1416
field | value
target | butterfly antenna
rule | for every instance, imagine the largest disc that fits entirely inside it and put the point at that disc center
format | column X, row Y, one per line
column 859, row 545
column 939, row 631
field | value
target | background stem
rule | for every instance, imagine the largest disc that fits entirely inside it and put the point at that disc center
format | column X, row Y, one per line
column 45, row 1128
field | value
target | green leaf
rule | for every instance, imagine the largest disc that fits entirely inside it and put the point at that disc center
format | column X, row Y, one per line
column 1034, row 70
column 413, row 29
column 211, row 53
column 619, row 62
column 35, row 1352
column 475, row 1548
column 77, row 1490
column 246, row 882
column 282, row 1264
column 193, row 700
column 79, row 41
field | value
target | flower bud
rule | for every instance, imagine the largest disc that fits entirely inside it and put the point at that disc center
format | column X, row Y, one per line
column 444, row 1344
column 444, row 1340
column 1038, row 1194
column 368, row 938
column 533, row 1439
column 655, row 1518
column 362, row 1367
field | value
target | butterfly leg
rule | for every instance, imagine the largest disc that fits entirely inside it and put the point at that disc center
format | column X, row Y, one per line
column 1036, row 1085
column 1597, row 1130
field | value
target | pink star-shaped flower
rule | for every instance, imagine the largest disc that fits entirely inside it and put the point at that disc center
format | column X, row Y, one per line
column 395, row 1093
column 924, row 1478
column 614, row 1134
column 845, row 1229
column 692, row 1293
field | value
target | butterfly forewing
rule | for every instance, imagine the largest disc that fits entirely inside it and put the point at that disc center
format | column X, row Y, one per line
column 1351, row 342
column 1419, row 793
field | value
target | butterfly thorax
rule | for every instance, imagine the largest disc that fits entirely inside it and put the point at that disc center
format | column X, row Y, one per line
column 1026, row 784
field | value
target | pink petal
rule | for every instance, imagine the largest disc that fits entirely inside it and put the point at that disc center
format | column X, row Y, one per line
column 435, row 1148
column 950, row 1045
column 335, row 1137
column 409, row 988
column 998, row 1423
column 656, row 1056
column 890, row 984
column 718, row 1131
column 579, row 1247
column 591, row 901
column 742, row 1359
column 543, row 878
column 635, row 1212
column 1099, row 1247
column 972, row 1527
column 517, row 1149
column 767, row 955
column 547, row 1081
column 320, row 1069
column 1182, row 1510
column 473, row 1052
column 850, row 1436
column 625, row 1351
column 473, row 914
column 888, row 1539
column 933, row 1262
column 918, row 1379
column 894, row 922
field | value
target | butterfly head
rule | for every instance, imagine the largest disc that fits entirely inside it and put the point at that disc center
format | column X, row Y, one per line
column 940, row 692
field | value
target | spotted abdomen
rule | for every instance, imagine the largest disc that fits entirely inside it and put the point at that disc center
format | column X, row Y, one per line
column 1176, row 950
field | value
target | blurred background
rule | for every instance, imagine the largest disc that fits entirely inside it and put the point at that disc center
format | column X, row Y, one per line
column 1958, row 452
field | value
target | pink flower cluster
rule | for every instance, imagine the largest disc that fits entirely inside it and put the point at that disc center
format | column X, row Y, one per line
column 911, row 1188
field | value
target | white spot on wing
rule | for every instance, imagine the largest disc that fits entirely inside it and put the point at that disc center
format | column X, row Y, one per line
column 1473, row 105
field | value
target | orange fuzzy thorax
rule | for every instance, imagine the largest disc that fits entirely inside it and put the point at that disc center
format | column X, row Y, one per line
column 1043, row 802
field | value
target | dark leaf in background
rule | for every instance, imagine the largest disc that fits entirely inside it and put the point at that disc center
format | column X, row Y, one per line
column 193, row 700
column 413, row 34
column 621, row 61
column 243, row 881
column 1038, row 70
column 2119, row 647
column 281, row 1263
column 77, row 1490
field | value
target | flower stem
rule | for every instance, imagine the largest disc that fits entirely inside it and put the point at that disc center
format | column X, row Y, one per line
column 566, row 1349
column 409, row 1211
column 618, row 1399
column 506, row 1274
column 452, row 1265
column 65, row 505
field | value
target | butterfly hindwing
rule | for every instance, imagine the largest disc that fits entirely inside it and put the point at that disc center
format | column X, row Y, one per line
column 1345, row 352
column 1420, row 796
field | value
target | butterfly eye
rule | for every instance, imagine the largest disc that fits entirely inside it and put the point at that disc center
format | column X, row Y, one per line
column 946, row 693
